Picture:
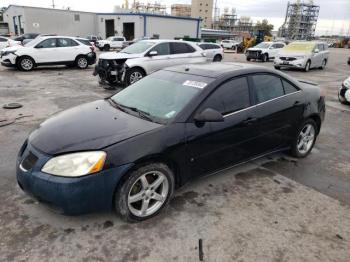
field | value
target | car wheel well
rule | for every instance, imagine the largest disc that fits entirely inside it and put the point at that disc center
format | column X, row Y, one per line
column 317, row 119
column 146, row 161
column 138, row 67
column 19, row 57
column 81, row 55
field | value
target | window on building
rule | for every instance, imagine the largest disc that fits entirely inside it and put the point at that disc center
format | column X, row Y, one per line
column 229, row 97
column 76, row 17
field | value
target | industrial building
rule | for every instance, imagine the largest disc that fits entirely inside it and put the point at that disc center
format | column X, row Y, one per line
column 204, row 10
column 300, row 21
column 181, row 10
column 25, row 19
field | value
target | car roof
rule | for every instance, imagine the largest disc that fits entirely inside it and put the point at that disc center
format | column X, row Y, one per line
column 215, row 70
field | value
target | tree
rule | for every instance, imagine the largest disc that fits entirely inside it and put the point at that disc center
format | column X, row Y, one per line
column 264, row 26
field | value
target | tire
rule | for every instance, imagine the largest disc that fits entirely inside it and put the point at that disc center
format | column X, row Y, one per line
column 277, row 67
column 133, row 75
column 137, row 200
column 248, row 59
column 106, row 47
column 324, row 63
column 265, row 58
column 25, row 63
column 299, row 148
column 100, row 48
column 307, row 66
column 342, row 100
column 217, row 58
column 81, row 62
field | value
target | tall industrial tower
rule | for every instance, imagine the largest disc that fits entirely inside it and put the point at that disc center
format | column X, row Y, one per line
column 300, row 22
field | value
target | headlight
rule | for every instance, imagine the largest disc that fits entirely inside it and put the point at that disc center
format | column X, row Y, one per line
column 4, row 53
column 346, row 83
column 300, row 57
column 76, row 164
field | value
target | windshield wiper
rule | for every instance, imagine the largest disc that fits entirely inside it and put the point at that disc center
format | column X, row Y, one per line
column 143, row 114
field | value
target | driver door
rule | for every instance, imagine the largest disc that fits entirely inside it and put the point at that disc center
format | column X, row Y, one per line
column 214, row 146
column 159, row 61
column 46, row 51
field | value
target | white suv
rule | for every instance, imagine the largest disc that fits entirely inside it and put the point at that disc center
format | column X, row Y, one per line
column 145, row 57
column 264, row 51
column 117, row 42
column 51, row 50
column 229, row 44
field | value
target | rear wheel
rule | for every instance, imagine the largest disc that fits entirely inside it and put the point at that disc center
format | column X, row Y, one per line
column 248, row 59
column 305, row 139
column 25, row 63
column 324, row 63
column 217, row 58
column 81, row 62
column 145, row 193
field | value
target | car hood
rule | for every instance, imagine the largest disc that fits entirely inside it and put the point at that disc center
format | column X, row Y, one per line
column 89, row 126
column 120, row 55
column 293, row 53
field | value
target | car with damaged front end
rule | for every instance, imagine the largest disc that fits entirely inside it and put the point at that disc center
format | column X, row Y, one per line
column 143, row 58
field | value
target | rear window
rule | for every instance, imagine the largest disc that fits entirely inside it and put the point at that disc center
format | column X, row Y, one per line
column 84, row 42
column 181, row 48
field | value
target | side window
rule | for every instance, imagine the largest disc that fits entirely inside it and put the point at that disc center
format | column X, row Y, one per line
column 288, row 87
column 66, row 42
column 229, row 97
column 181, row 48
column 3, row 39
column 203, row 46
column 274, row 46
column 279, row 45
column 162, row 49
column 320, row 47
column 48, row 43
column 267, row 87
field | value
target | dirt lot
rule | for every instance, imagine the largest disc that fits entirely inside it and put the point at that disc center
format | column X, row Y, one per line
column 273, row 209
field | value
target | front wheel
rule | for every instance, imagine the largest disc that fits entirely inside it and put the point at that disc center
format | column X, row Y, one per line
column 133, row 75
column 25, row 63
column 265, row 58
column 305, row 139
column 324, row 63
column 217, row 58
column 307, row 66
column 146, row 191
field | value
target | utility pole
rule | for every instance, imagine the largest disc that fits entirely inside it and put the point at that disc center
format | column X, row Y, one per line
column 53, row 4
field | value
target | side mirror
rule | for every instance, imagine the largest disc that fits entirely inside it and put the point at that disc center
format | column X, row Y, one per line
column 272, row 47
column 209, row 115
column 153, row 53
column 316, row 51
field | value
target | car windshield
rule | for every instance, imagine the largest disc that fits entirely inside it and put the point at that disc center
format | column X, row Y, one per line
column 138, row 47
column 162, row 95
column 33, row 42
column 263, row 45
column 304, row 47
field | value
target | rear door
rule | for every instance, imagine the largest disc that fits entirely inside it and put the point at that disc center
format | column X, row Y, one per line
column 183, row 53
column 279, row 106
column 67, row 49
column 318, row 57
column 214, row 146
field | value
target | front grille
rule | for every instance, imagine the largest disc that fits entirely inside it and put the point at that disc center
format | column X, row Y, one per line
column 29, row 161
column 287, row 58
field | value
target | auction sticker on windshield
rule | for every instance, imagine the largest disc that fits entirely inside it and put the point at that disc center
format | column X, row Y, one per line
column 195, row 84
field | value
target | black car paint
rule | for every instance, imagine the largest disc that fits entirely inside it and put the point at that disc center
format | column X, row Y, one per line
column 188, row 148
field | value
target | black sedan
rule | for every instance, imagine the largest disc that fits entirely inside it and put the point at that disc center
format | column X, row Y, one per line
column 130, row 151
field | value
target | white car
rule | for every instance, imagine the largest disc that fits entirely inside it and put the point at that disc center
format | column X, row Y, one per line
column 116, row 42
column 303, row 55
column 264, row 51
column 145, row 57
column 344, row 92
column 50, row 50
column 7, row 42
column 214, row 52
column 229, row 44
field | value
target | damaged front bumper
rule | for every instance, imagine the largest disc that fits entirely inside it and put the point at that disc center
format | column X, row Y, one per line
column 111, row 72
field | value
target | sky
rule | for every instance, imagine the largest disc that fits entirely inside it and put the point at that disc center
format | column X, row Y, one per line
column 334, row 15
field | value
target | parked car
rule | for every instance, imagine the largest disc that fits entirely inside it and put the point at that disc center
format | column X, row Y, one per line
column 23, row 37
column 143, row 58
column 93, row 38
column 214, row 52
column 26, row 41
column 229, row 44
column 7, row 42
column 116, row 42
column 50, row 50
column 130, row 151
column 303, row 55
column 264, row 51
column 344, row 92
column 349, row 60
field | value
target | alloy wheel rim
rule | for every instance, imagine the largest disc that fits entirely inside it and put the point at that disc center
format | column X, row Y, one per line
column 148, row 194
column 308, row 66
column 26, row 64
column 82, row 62
column 135, row 76
column 306, row 139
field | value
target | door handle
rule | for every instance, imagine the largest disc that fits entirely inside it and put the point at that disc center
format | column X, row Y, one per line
column 249, row 121
column 297, row 103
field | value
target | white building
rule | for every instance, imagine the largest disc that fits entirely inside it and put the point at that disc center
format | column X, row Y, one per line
column 25, row 19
